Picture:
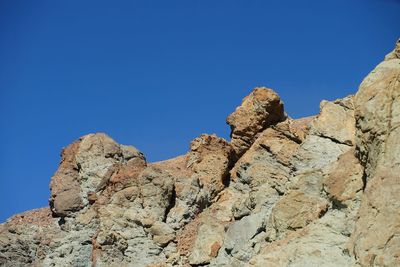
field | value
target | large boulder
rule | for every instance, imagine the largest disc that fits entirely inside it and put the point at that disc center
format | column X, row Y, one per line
column 262, row 108
column 86, row 167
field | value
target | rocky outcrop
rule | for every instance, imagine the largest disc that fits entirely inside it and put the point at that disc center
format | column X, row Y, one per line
column 376, row 239
column 260, row 109
column 316, row 191
column 211, row 158
column 86, row 167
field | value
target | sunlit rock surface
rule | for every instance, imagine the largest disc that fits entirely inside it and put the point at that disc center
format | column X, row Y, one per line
column 316, row 191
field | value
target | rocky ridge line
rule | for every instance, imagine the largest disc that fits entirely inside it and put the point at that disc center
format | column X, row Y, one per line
column 317, row 191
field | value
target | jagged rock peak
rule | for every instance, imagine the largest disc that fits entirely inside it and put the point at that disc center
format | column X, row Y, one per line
column 262, row 108
column 316, row 191
column 86, row 167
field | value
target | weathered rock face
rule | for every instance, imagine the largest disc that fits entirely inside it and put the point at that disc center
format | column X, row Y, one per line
column 260, row 109
column 376, row 239
column 86, row 167
column 211, row 158
column 317, row 191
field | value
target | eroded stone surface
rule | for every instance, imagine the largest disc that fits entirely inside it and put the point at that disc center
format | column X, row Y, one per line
column 316, row 191
column 211, row 158
column 375, row 240
column 336, row 121
column 258, row 110
column 346, row 179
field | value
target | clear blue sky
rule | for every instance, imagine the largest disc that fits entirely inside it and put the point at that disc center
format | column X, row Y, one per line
column 156, row 74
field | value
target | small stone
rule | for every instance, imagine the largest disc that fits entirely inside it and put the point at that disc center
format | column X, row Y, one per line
column 92, row 197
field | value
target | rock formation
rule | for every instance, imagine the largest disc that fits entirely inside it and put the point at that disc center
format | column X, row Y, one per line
column 317, row 191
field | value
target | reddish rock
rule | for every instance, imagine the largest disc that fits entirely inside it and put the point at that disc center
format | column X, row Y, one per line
column 210, row 159
column 316, row 191
column 260, row 109
column 65, row 189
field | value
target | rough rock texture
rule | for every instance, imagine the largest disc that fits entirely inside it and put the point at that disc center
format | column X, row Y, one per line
column 260, row 109
column 211, row 158
column 376, row 239
column 316, row 191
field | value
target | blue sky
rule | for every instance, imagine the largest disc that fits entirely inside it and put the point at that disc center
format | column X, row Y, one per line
column 156, row 74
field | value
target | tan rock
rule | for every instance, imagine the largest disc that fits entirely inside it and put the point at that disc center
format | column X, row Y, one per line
column 86, row 167
column 65, row 188
column 98, row 156
column 30, row 231
column 336, row 121
column 193, row 240
column 187, row 236
column 345, row 180
column 318, row 244
column 210, row 158
column 317, row 153
column 177, row 167
column 40, row 217
column 267, row 161
column 156, row 191
column 162, row 233
column 375, row 241
column 125, row 175
column 221, row 209
column 299, row 128
column 317, row 191
column 87, row 217
column 258, row 110
column 377, row 117
column 207, row 242
column 296, row 210
column 186, row 190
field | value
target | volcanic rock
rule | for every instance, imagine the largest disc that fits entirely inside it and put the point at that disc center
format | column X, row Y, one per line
column 317, row 191
column 262, row 108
